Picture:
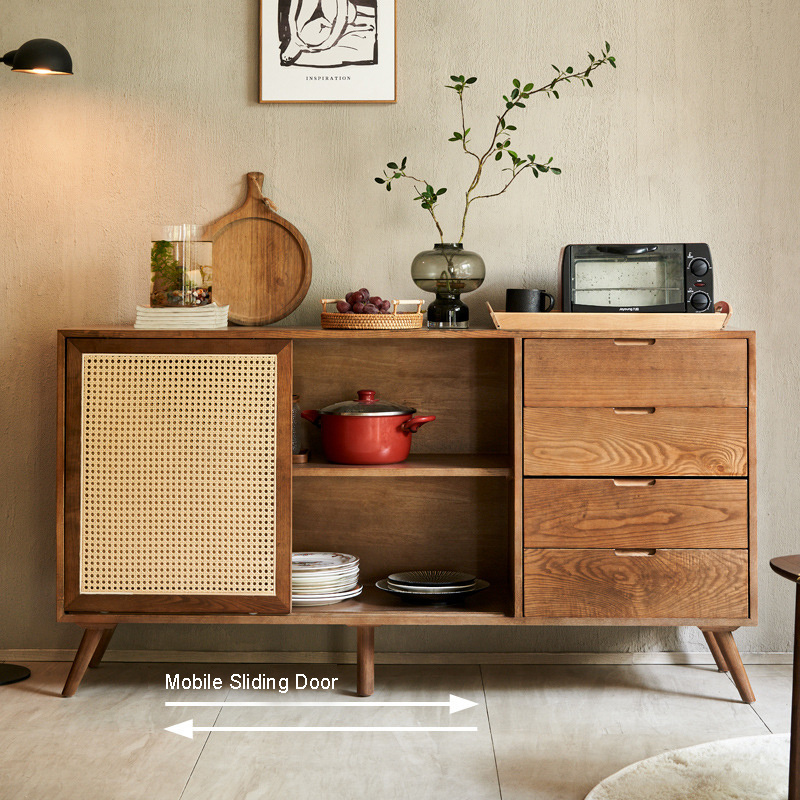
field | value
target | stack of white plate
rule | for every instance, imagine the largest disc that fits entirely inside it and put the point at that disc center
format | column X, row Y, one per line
column 321, row 579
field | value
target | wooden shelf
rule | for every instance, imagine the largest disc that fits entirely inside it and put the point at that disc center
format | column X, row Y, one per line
column 374, row 607
column 444, row 465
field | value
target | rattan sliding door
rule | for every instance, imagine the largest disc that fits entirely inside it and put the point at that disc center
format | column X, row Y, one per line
column 177, row 475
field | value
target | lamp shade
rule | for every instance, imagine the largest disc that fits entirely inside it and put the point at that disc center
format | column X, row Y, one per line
column 41, row 57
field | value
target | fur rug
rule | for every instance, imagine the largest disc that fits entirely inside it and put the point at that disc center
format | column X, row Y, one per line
column 750, row 768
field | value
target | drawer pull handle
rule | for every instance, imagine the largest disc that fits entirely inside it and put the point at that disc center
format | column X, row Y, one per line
column 634, row 481
column 635, row 553
column 650, row 410
column 631, row 342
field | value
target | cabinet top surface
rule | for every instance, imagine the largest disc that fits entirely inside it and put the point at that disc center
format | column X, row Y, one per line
column 277, row 332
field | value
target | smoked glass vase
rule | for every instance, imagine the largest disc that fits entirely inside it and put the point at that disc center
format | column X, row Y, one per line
column 449, row 271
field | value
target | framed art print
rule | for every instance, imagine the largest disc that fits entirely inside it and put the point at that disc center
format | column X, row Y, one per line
column 327, row 51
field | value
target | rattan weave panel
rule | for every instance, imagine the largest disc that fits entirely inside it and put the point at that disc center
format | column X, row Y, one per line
column 178, row 474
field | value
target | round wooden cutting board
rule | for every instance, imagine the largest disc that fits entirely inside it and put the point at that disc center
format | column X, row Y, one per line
column 261, row 262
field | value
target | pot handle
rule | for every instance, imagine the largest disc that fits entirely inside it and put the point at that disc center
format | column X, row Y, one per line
column 413, row 425
column 313, row 417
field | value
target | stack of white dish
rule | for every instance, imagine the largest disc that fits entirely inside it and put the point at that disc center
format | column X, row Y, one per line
column 207, row 317
column 321, row 579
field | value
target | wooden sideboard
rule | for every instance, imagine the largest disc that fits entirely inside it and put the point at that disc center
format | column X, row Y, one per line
column 592, row 478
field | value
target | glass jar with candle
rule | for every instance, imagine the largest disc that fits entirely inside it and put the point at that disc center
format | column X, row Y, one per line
column 180, row 266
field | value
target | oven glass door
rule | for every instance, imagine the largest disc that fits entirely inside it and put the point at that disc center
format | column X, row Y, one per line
column 612, row 281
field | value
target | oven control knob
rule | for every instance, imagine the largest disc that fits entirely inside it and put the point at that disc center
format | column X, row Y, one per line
column 700, row 301
column 699, row 267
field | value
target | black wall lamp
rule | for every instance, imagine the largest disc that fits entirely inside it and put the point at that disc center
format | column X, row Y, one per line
column 40, row 57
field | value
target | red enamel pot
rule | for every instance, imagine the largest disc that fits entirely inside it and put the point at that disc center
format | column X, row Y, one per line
column 366, row 431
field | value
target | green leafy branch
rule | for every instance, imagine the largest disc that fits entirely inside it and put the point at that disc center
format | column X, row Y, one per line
column 500, row 145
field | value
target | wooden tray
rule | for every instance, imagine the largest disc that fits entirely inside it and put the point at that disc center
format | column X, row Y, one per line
column 557, row 320
column 261, row 263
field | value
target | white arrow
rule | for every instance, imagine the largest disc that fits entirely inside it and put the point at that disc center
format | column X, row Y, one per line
column 188, row 728
column 455, row 704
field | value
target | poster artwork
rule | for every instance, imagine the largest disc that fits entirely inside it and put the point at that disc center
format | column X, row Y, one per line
column 327, row 34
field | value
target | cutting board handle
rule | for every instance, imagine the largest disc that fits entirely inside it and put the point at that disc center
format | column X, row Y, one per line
column 255, row 194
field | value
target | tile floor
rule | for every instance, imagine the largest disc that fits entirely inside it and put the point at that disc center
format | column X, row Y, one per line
column 544, row 732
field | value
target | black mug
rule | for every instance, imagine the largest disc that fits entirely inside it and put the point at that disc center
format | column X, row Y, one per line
column 527, row 300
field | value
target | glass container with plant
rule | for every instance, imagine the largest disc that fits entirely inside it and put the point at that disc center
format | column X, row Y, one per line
column 180, row 267
column 448, row 269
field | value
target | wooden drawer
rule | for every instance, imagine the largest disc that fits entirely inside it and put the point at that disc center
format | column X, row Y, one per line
column 635, row 512
column 670, row 584
column 635, row 372
column 655, row 442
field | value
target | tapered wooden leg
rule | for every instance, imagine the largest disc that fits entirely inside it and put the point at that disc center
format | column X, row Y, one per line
column 100, row 650
column 715, row 651
column 91, row 638
column 794, row 739
column 734, row 661
column 365, row 658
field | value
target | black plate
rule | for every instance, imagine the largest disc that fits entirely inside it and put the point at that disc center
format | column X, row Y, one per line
column 432, row 577
column 434, row 598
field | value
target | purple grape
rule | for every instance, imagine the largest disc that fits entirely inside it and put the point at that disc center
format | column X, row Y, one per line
column 369, row 308
column 386, row 306
column 365, row 292
column 348, row 297
column 358, row 308
column 343, row 307
column 376, row 301
column 358, row 297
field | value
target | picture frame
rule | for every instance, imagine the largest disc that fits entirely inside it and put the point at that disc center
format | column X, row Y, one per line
column 327, row 51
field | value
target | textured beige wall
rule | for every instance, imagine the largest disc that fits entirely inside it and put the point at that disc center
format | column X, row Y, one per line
column 693, row 138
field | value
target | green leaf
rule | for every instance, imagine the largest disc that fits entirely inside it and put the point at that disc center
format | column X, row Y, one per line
column 379, row 180
column 467, row 131
column 531, row 158
column 513, row 155
column 549, row 160
column 555, row 68
column 511, row 127
column 569, row 70
column 403, row 164
column 515, row 94
column 498, row 156
column 608, row 47
column 454, row 78
column 461, row 79
column 535, row 173
column 429, row 188
column 471, row 80
column 589, row 81
column 388, row 186
column 520, row 105
column 516, row 83
column 612, row 62
column 392, row 165
column 555, row 170
column 441, row 191
column 555, row 93
column 528, row 87
column 591, row 56
column 509, row 105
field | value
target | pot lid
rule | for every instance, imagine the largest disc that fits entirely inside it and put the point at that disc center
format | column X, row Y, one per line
column 367, row 406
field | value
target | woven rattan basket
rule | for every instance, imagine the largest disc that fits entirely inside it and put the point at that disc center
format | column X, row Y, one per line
column 373, row 322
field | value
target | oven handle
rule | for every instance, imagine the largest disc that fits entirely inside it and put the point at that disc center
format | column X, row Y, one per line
column 627, row 249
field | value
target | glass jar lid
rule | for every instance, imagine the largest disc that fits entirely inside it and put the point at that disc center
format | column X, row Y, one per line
column 367, row 406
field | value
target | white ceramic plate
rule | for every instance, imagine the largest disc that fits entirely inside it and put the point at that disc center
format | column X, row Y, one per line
column 327, row 590
column 325, row 600
column 430, row 589
column 304, row 562
column 325, row 575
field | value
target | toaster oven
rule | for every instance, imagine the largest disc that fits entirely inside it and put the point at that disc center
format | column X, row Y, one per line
column 637, row 277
